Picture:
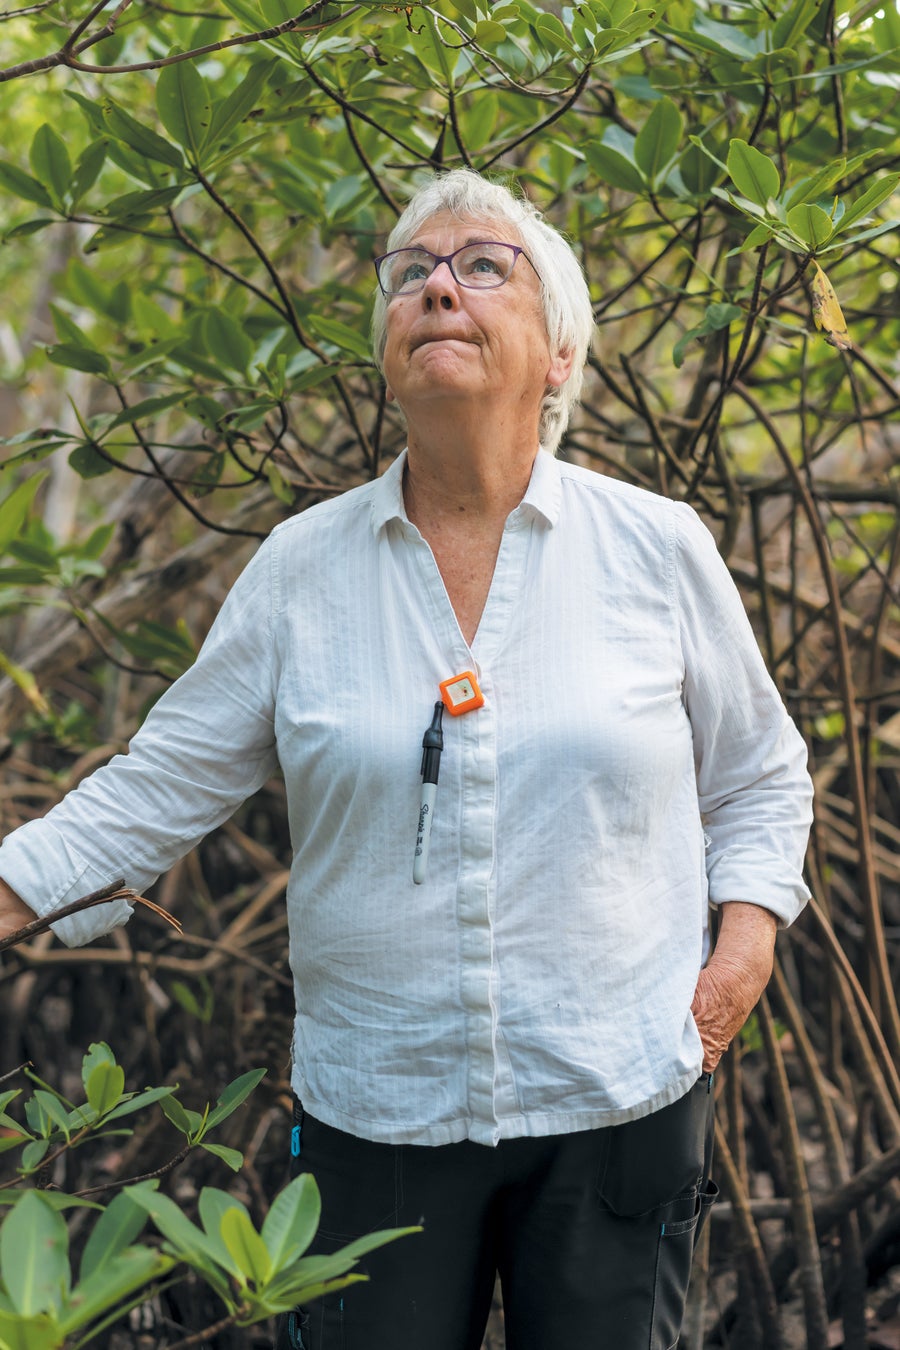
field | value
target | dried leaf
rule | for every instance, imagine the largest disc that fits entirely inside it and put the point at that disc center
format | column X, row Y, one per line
column 827, row 311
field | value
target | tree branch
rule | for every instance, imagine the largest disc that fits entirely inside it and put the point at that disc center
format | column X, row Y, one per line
column 64, row 57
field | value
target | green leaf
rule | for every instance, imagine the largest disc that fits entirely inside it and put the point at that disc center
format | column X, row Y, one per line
column 717, row 316
column 151, row 1095
column 210, row 472
column 67, row 330
column 810, row 224
column 78, row 358
column 292, row 1220
column 550, row 28
column 727, row 37
column 698, row 171
column 794, row 23
column 312, row 378
column 105, row 1086
column 10, row 1141
column 87, row 170
column 809, row 189
column 858, row 236
column 111, row 1285
column 141, row 138
column 50, row 161
column 97, row 1053
column 53, row 1109
column 236, row 1092
column 757, row 236
column 240, row 102
column 226, row 340
column 27, row 227
column 657, row 141
column 344, row 337
column 344, row 193
column 88, row 462
column 55, row 1199
column 292, row 1289
column 317, row 1268
column 184, row 108
column 213, row 1205
column 245, row 1246
column 752, row 172
column 13, row 513
column 143, row 202
column 92, row 547
column 488, row 33
column 20, row 183
column 35, row 555
column 479, row 120
column 185, row 1237
column 151, row 319
column 146, row 408
column 187, row 1241
column 34, row 1255
column 175, row 1112
column 232, row 1157
column 613, row 168
column 874, row 195
column 117, row 1227
column 38, row 1333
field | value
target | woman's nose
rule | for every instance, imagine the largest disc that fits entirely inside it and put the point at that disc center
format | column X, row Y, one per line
column 441, row 289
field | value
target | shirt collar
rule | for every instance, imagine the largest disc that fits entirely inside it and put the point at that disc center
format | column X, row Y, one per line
column 542, row 496
column 387, row 495
column 544, row 492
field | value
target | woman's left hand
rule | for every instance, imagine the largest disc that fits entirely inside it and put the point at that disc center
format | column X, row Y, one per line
column 729, row 986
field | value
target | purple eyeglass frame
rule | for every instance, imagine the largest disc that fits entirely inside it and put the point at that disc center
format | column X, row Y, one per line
column 448, row 259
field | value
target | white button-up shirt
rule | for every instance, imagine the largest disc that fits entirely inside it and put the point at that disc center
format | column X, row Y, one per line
column 632, row 761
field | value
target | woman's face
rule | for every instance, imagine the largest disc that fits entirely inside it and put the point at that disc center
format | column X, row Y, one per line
column 450, row 343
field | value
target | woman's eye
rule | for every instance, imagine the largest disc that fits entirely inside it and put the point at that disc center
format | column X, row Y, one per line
column 412, row 272
column 483, row 264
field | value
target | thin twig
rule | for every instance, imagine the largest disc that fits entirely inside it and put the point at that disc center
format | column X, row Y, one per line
column 116, row 891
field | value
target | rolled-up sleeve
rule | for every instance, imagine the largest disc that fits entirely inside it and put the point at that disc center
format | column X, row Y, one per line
column 754, row 790
column 206, row 745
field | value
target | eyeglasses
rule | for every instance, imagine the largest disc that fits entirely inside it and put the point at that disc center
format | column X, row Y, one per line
column 480, row 267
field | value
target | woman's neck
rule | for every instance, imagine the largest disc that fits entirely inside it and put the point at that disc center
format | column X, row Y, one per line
column 467, row 475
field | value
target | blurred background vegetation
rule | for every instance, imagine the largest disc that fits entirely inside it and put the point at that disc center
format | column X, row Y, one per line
column 190, row 198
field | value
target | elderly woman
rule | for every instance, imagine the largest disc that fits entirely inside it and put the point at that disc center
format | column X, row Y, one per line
column 507, row 1013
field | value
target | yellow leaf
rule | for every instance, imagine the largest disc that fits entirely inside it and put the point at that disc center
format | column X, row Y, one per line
column 27, row 683
column 827, row 312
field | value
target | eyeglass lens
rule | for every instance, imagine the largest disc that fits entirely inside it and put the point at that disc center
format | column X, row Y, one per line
column 477, row 265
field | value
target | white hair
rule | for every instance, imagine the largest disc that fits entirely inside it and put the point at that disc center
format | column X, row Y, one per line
column 566, row 302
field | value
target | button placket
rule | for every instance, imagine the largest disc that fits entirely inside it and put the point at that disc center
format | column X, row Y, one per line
column 489, row 1078
column 490, row 1081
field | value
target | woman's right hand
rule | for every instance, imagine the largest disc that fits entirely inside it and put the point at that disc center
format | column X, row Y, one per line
column 14, row 913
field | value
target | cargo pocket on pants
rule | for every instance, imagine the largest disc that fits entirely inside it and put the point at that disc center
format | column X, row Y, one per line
column 674, row 1252
column 654, row 1176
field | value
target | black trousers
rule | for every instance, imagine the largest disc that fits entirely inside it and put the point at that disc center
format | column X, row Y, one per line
column 592, row 1234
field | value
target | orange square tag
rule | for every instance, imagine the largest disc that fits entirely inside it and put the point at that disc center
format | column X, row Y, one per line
column 461, row 694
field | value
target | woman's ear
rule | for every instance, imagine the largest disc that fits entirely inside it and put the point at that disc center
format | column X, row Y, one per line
column 560, row 368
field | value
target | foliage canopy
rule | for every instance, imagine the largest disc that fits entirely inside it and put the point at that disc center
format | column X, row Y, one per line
column 190, row 200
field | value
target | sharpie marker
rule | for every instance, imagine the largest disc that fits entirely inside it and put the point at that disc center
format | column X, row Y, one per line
column 432, row 745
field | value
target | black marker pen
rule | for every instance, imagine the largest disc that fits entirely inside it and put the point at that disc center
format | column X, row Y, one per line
column 432, row 745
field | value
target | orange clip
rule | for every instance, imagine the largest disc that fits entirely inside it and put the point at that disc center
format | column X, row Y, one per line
column 461, row 694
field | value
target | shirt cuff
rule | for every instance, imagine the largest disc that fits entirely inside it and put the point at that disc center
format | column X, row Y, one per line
column 757, row 878
column 48, row 874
